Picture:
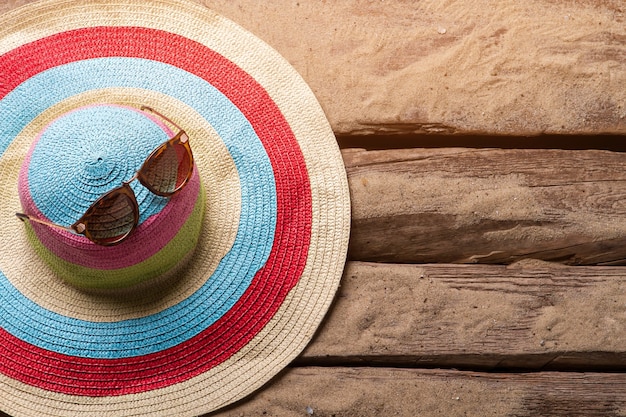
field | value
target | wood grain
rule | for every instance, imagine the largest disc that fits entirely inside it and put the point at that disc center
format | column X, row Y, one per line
column 453, row 67
column 374, row 392
column 450, row 68
column 487, row 205
column 462, row 231
column 532, row 315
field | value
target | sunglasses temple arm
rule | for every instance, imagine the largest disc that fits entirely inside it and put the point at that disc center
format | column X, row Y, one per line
column 23, row 217
column 167, row 119
column 133, row 178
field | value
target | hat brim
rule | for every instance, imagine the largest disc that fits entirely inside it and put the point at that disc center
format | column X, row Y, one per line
column 275, row 230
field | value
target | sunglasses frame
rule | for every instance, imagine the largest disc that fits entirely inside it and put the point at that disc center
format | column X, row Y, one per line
column 81, row 226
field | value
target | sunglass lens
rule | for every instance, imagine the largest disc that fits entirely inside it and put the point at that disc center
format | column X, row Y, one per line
column 112, row 217
column 169, row 167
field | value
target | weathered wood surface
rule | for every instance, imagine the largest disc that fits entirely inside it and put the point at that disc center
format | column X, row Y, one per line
column 531, row 315
column 398, row 69
column 487, row 205
column 359, row 392
column 404, row 318
column 453, row 67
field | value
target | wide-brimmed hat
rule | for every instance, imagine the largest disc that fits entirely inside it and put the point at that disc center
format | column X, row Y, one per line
column 220, row 286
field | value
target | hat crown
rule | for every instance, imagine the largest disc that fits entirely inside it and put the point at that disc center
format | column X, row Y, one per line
column 97, row 165
column 77, row 158
column 87, row 152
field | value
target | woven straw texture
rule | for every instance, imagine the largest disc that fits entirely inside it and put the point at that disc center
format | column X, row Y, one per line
column 81, row 156
column 273, row 236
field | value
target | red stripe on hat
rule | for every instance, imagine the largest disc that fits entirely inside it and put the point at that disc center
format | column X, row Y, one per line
column 108, row 377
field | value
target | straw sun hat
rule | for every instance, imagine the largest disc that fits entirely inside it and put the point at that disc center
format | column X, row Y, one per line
column 220, row 285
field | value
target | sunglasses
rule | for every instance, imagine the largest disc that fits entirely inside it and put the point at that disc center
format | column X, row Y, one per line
column 115, row 214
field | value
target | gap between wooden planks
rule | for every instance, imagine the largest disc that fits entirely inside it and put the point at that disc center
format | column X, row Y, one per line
column 471, row 205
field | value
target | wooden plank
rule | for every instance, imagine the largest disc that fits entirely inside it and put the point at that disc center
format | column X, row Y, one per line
column 375, row 392
column 454, row 67
column 487, row 205
column 531, row 315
